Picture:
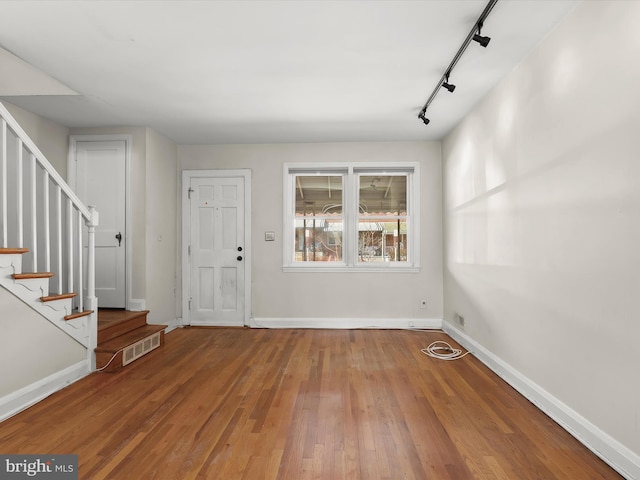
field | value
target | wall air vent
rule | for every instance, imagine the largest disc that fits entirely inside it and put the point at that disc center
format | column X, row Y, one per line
column 138, row 349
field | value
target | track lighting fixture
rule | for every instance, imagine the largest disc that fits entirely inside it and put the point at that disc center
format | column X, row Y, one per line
column 448, row 85
column 474, row 35
column 423, row 118
column 484, row 41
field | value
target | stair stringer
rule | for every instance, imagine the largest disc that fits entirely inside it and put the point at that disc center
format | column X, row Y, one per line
column 29, row 291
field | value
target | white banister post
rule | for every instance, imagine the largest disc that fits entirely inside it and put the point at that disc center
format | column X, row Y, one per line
column 3, row 187
column 80, row 281
column 47, row 221
column 20, row 199
column 92, row 300
column 58, row 219
column 33, row 215
column 70, row 238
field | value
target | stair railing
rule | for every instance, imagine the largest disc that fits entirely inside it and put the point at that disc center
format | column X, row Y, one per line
column 41, row 213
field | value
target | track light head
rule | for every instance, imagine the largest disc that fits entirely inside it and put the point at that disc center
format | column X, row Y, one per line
column 484, row 41
column 448, row 86
column 423, row 118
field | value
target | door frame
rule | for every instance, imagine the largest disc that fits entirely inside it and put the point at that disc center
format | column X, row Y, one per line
column 71, row 180
column 187, row 175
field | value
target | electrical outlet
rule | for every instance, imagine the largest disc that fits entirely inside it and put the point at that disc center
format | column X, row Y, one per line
column 459, row 319
column 423, row 304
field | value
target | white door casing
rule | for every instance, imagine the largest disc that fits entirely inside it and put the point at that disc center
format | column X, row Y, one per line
column 216, row 253
column 98, row 172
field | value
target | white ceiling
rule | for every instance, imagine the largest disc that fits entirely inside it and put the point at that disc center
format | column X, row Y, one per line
column 206, row 72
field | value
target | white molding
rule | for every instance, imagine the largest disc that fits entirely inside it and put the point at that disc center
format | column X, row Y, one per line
column 23, row 398
column 619, row 457
column 347, row 323
column 172, row 325
column 136, row 304
column 327, row 267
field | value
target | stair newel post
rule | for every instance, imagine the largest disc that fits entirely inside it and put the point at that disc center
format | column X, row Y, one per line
column 92, row 300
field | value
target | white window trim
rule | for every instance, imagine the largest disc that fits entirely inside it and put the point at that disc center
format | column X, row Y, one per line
column 350, row 258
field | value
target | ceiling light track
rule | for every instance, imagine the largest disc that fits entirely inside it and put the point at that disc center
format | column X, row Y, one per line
column 475, row 35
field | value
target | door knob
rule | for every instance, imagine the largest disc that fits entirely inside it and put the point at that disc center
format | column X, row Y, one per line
column 119, row 238
column 239, row 258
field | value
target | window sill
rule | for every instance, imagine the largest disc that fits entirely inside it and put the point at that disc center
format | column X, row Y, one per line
column 341, row 268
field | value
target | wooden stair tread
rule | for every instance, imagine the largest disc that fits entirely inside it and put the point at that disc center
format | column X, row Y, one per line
column 61, row 296
column 23, row 276
column 78, row 315
column 13, row 251
column 129, row 338
column 110, row 318
column 113, row 323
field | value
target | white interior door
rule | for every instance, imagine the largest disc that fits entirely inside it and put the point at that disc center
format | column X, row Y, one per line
column 216, row 251
column 100, row 178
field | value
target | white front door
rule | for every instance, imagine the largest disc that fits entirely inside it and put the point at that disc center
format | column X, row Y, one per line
column 100, row 169
column 216, row 250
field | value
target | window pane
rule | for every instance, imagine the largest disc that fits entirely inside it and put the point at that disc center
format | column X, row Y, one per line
column 383, row 195
column 382, row 239
column 318, row 195
column 318, row 239
column 351, row 215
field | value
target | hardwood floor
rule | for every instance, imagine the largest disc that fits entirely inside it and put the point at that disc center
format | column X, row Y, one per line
column 223, row 403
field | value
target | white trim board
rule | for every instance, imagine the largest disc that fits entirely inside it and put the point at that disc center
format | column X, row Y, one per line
column 347, row 323
column 619, row 457
column 22, row 399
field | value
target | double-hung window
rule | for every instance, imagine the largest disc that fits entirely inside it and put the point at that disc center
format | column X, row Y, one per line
column 351, row 217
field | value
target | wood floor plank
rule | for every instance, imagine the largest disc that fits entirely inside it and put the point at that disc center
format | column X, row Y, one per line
column 300, row 404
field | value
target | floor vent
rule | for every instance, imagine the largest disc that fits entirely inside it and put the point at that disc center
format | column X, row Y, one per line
column 138, row 349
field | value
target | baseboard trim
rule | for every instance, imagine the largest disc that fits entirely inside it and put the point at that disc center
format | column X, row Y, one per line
column 619, row 457
column 172, row 325
column 31, row 394
column 136, row 304
column 346, row 323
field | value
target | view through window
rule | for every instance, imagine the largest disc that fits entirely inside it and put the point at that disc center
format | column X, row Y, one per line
column 350, row 216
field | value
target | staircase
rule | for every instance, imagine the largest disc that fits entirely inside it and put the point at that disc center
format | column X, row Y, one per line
column 33, row 289
column 47, row 255
column 47, row 238
column 123, row 337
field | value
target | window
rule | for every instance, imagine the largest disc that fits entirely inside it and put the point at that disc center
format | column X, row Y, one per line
column 351, row 217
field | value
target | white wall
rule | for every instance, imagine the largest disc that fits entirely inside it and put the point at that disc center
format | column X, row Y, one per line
column 138, row 172
column 161, row 228
column 153, row 218
column 542, row 218
column 31, row 347
column 279, row 295
column 51, row 138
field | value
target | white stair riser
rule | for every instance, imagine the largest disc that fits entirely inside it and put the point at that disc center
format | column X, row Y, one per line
column 11, row 262
column 38, row 286
column 30, row 291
